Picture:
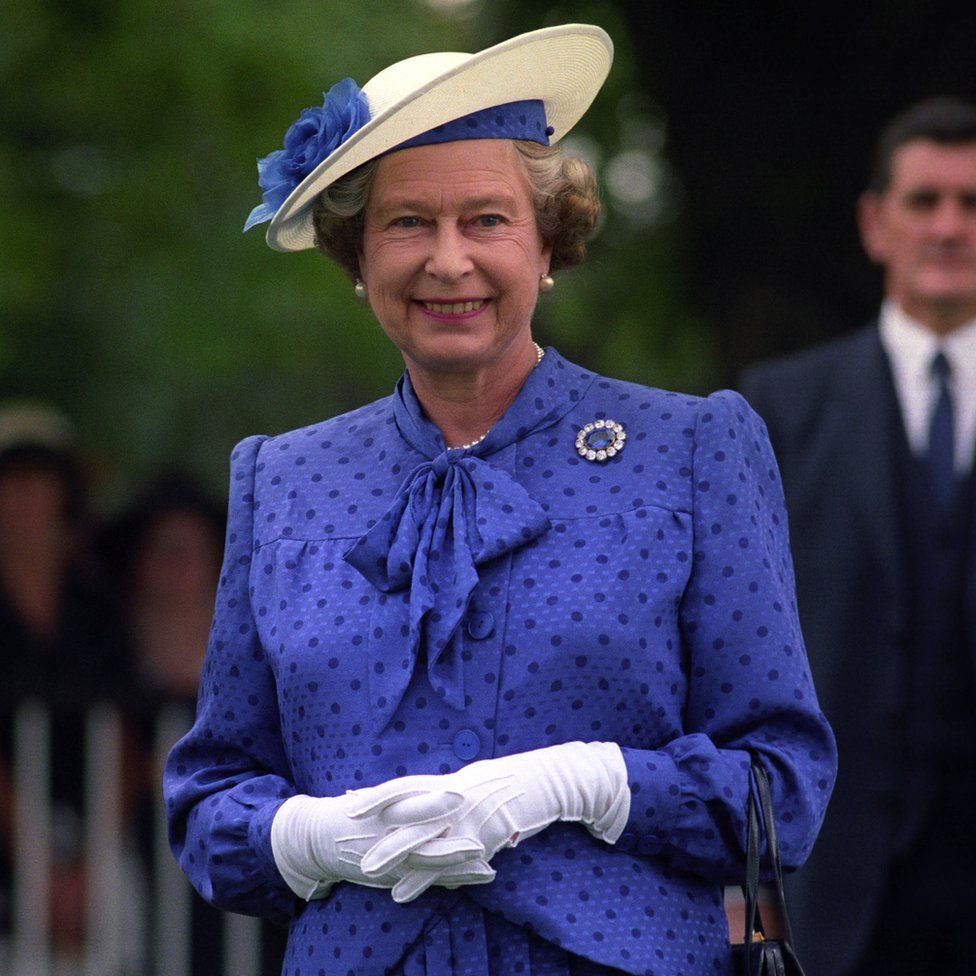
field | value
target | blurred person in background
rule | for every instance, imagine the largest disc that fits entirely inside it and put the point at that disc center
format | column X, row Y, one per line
column 875, row 436
column 164, row 553
column 61, row 632
column 514, row 603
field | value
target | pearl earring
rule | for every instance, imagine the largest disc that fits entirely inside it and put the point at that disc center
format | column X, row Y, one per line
column 360, row 289
column 546, row 282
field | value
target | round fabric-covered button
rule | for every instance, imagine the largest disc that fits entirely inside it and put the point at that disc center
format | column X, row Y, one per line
column 481, row 624
column 625, row 842
column 467, row 744
column 649, row 844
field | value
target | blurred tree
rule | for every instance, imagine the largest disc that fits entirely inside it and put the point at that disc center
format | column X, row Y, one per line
column 128, row 134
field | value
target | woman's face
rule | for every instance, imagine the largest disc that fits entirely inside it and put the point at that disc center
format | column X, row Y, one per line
column 451, row 254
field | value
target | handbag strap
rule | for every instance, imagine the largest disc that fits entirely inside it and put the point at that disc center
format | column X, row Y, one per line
column 750, row 889
column 759, row 787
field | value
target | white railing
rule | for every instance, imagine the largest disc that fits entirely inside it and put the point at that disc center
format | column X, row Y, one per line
column 138, row 916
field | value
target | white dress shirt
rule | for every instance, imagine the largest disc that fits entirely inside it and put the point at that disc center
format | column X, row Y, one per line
column 911, row 348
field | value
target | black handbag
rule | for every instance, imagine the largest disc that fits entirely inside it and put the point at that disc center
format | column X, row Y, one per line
column 757, row 955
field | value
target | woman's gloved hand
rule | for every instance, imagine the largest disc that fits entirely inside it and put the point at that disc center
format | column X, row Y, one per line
column 504, row 801
column 316, row 842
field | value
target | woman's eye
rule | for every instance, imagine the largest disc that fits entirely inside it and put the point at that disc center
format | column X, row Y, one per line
column 407, row 222
column 489, row 220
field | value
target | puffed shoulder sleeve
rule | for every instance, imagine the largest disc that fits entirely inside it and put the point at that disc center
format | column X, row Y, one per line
column 224, row 781
column 749, row 690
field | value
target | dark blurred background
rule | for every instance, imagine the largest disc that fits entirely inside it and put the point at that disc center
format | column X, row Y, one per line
column 731, row 142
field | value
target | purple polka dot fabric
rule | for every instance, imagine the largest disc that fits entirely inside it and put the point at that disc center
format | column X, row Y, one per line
column 389, row 607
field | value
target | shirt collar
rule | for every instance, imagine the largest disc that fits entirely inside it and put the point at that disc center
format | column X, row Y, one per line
column 911, row 346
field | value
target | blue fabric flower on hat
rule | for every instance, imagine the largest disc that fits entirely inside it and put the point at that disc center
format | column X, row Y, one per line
column 315, row 134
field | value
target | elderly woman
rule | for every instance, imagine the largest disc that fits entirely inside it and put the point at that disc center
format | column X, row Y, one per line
column 490, row 655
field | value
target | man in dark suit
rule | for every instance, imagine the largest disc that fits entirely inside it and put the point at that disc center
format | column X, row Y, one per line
column 874, row 434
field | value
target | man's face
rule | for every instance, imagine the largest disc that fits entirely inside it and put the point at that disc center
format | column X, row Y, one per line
column 922, row 230
column 33, row 506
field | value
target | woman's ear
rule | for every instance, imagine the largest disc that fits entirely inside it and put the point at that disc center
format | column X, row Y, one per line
column 547, row 245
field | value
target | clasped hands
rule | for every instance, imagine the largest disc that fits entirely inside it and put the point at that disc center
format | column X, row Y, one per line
column 416, row 831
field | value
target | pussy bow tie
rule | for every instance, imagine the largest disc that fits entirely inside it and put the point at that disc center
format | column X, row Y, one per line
column 452, row 513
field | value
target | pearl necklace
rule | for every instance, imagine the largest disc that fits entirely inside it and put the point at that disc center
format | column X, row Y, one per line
column 539, row 353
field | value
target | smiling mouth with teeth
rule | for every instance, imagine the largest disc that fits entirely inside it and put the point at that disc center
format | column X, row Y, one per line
column 457, row 308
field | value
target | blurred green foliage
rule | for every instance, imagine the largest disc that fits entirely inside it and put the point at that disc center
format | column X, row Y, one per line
column 128, row 136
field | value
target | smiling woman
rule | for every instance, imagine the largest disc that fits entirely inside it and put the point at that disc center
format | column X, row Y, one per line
column 451, row 259
column 519, row 203
column 466, row 617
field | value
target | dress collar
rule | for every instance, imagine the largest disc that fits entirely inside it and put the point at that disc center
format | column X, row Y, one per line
column 550, row 391
column 455, row 511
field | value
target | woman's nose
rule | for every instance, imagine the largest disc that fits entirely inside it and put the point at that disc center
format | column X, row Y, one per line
column 449, row 257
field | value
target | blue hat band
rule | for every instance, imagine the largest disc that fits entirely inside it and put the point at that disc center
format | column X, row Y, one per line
column 514, row 120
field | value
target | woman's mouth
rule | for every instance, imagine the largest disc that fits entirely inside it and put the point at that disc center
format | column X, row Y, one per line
column 465, row 308
column 454, row 308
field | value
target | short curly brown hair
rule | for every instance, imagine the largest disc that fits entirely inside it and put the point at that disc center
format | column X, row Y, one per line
column 564, row 193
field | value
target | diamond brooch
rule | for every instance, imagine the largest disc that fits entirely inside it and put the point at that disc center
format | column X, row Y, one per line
column 600, row 440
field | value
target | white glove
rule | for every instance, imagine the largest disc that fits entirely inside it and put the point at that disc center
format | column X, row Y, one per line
column 316, row 842
column 505, row 800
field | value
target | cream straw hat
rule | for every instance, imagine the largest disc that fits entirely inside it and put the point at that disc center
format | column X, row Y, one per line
column 563, row 67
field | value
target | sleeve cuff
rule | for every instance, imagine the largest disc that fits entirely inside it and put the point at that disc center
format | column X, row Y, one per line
column 655, row 801
column 259, row 837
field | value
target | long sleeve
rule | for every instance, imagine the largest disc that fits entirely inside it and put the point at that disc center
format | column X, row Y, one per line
column 225, row 780
column 748, row 686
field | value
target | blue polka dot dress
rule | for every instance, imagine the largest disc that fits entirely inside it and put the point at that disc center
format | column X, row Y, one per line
column 388, row 607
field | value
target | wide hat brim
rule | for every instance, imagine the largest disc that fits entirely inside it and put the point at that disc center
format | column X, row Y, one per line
column 562, row 66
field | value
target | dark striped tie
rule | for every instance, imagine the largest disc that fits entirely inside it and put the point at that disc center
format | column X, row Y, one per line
column 941, row 455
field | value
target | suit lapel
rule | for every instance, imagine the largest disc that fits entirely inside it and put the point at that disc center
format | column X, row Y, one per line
column 865, row 387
